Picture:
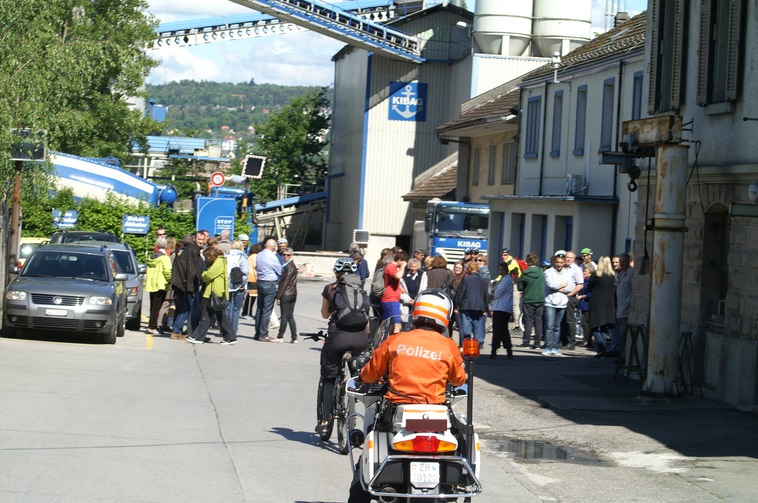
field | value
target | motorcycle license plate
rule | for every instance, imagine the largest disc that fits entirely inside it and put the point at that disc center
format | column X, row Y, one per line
column 425, row 474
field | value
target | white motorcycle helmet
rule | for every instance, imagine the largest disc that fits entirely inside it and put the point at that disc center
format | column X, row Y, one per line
column 433, row 307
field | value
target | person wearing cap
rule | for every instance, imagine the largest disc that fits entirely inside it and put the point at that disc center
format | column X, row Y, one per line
column 587, row 257
column 282, row 244
column 514, row 269
column 571, row 320
column 245, row 240
column 559, row 281
column 531, row 284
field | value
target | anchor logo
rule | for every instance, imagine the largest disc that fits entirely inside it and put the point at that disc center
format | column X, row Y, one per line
column 407, row 101
column 408, row 94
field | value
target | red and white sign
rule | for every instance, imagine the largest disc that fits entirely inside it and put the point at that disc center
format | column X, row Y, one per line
column 217, row 179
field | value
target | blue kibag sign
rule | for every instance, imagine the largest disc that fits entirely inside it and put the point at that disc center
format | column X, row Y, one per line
column 407, row 101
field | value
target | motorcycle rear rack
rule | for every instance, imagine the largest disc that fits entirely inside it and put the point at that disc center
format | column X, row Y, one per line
column 476, row 486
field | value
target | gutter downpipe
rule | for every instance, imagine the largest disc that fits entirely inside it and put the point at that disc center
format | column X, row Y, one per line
column 544, row 128
column 615, row 168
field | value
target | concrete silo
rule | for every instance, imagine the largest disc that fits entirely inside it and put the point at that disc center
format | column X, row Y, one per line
column 503, row 28
column 560, row 26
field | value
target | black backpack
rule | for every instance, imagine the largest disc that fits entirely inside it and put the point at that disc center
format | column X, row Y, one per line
column 236, row 276
column 350, row 304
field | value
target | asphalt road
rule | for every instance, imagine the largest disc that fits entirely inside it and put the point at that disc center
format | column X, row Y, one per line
column 150, row 419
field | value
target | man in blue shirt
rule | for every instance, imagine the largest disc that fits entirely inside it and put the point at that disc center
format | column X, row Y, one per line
column 269, row 269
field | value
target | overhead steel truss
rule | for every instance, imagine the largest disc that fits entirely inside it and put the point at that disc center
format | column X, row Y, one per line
column 357, row 23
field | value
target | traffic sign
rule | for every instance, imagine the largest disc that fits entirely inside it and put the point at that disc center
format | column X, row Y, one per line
column 217, row 179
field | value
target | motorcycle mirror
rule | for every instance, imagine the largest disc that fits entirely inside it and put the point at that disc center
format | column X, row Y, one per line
column 470, row 348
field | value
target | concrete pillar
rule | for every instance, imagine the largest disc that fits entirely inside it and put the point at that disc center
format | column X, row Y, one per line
column 666, row 278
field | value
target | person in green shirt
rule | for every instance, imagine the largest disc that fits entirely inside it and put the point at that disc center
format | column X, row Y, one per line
column 216, row 280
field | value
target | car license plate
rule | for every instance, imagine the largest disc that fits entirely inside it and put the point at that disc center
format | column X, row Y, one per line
column 424, row 474
column 56, row 312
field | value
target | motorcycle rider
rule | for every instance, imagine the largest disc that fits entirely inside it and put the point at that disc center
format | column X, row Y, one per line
column 338, row 342
column 417, row 364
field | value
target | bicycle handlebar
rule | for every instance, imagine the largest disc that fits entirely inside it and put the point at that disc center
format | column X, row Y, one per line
column 321, row 334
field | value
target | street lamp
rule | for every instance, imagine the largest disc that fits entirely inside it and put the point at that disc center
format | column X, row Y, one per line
column 556, row 62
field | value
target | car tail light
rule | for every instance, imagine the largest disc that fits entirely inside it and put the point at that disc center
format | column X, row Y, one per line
column 424, row 443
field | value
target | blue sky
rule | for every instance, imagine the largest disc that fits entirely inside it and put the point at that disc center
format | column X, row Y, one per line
column 301, row 58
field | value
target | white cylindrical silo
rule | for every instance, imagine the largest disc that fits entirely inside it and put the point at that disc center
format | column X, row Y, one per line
column 561, row 26
column 503, row 27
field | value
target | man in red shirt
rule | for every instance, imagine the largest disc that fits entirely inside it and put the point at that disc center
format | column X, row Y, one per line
column 393, row 273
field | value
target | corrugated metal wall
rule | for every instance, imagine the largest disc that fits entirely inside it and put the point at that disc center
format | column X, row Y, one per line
column 395, row 151
column 491, row 71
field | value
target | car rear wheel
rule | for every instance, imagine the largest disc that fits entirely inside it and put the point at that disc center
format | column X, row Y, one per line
column 134, row 323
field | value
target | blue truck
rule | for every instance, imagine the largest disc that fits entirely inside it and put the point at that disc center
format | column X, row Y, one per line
column 452, row 227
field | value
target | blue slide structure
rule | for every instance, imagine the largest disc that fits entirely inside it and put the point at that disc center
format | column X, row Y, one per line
column 94, row 178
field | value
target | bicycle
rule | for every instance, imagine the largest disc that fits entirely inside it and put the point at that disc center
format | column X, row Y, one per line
column 343, row 407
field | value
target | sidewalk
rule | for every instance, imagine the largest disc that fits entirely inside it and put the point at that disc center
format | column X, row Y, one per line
column 569, row 410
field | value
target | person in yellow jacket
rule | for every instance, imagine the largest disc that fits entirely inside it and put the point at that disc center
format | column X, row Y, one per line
column 216, row 280
column 157, row 281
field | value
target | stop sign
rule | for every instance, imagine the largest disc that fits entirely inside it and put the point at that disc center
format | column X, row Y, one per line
column 217, row 179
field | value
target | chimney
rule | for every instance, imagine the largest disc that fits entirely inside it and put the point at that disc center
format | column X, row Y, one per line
column 620, row 18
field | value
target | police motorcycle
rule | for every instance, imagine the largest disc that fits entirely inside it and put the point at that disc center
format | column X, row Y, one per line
column 413, row 452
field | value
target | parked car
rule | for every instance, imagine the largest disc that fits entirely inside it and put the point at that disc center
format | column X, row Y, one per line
column 26, row 247
column 127, row 263
column 79, row 236
column 68, row 288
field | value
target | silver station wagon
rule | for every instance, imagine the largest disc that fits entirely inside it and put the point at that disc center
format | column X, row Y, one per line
column 68, row 288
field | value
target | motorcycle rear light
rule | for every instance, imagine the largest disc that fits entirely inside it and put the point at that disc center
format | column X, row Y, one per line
column 424, row 443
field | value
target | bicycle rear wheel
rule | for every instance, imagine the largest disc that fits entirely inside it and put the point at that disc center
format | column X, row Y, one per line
column 324, row 433
column 345, row 407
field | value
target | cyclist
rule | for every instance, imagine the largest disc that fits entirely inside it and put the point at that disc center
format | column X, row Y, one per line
column 338, row 342
column 419, row 363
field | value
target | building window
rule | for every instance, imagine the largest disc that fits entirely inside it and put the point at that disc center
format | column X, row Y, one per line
column 475, row 166
column 720, row 53
column 637, row 96
column 555, row 147
column 533, row 118
column 508, row 173
column 668, row 34
column 581, row 120
column 606, row 124
column 492, row 166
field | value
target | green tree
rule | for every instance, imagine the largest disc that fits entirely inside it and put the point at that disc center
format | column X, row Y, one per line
column 294, row 144
column 68, row 66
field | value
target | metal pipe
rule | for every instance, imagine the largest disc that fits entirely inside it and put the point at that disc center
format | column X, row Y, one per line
column 666, row 278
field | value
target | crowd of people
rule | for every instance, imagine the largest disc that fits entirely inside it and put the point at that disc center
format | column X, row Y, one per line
column 558, row 298
column 204, row 281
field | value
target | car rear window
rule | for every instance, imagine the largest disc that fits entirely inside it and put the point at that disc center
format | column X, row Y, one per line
column 125, row 262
